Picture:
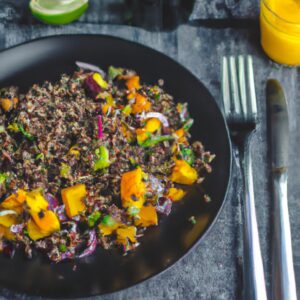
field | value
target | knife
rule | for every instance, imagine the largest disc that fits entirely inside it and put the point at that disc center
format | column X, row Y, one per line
column 283, row 277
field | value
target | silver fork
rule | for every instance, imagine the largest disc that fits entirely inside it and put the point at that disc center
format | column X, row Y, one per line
column 240, row 110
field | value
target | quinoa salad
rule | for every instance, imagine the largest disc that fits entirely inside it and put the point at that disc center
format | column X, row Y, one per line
column 93, row 159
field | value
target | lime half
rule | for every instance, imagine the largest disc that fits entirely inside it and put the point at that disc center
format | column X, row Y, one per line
column 58, row 11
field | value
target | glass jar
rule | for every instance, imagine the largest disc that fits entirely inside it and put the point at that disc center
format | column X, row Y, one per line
column 280, row 30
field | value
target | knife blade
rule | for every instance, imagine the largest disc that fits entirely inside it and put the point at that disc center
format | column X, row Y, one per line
column 279, row 126
column 283, row 277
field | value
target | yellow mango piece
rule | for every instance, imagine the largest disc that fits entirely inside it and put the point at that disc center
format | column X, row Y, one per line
column 73, row 199
column 141, row 104
column 47, row 221
column 74, row 150
column 36, row 202
column 133, row 83
column 126, row 233
column 183, row 173
column 100, row 81
column 180, row 132
column 6, row 233
column 107, row 230
column 6, row 104
column 133, row 188
column 14, row 200
column 147, row 216
column 8, row 220
column 34, row 232
column 152, row 125
column 131, row 95
column 175, row 194
column 141, row 135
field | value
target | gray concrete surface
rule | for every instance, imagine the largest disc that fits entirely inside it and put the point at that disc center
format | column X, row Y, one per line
column 212, row 269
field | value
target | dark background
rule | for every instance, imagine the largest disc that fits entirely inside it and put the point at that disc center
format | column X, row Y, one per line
column 197, row 35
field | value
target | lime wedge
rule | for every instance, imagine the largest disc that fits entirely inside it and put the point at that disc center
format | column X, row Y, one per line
column 58, row 12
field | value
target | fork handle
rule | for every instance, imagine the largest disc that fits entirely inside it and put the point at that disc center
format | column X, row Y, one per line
column 254, row 280
column 283, row 277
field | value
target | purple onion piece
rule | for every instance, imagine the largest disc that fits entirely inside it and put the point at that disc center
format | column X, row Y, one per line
column 76, row 218
column 91, row 87
column 60, row 211
column 164, row 205
column 91, row 244
column 89, row 67
column 17, row 228
column 53, row 202
column 67, row 255
column 100, row 127
column 9, row 250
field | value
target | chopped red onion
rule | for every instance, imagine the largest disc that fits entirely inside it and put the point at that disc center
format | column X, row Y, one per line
column 91, row 86
column 100, row 127
column 156, row 185
column 162, row 118
column 66, row 255
column 164, row 205
column 53, row 202
column 91, row 244
column 17, row 228
column 60, row 211
column 89, row 67
column 9, row 249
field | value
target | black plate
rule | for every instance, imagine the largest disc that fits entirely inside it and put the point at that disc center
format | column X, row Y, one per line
column 108, row 271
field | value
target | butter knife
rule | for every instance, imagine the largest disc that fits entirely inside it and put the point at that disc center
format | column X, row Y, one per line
column 283, row 278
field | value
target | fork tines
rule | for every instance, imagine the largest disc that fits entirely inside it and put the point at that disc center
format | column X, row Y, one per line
column 239, row 97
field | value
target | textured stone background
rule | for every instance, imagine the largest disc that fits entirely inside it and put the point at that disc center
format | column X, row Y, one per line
column 212, row 269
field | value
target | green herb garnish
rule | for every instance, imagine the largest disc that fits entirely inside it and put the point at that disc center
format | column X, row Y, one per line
column 103, row 158
column 65, row 170
column 40, row 156
column 3, row 177
column 93, row 218
column 25, row 133
column 114, row 72
column 187, row 154
column 62, row 248
column 188, row 124
column 108, row 220
column 192, row 220
column 152, row 141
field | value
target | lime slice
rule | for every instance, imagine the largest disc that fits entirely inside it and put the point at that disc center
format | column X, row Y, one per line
column 58, row 11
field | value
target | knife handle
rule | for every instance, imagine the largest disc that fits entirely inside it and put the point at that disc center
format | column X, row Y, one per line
column 254, row 279
column 283, row 277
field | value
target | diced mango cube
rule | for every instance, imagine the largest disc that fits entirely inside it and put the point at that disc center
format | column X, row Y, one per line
column 126, row 233
column 73, row 199
column 147, row 216
column 141, row 104
column 175, row 194
column 8, row 220
column 34, row 232
column 133, row 188
column 183, row 173
column 141, row 135
column 47, row 221
column 133, row 83
column 152, row 125
column 6, row 233
column 36, row 202
column 14, row 200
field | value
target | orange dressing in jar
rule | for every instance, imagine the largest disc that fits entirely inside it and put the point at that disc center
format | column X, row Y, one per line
column 280, row 30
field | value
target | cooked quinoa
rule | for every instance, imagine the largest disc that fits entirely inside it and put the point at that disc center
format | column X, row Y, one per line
column 93, row 159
